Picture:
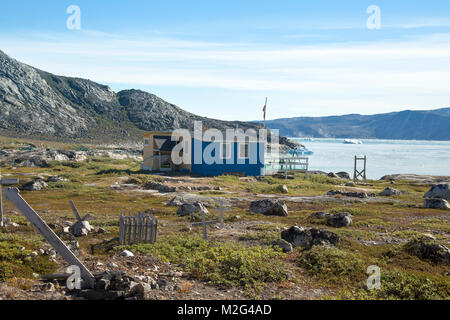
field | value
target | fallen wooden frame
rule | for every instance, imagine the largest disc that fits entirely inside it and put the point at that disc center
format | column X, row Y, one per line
column 12, row 194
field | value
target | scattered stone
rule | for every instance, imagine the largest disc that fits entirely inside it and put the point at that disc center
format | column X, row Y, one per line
column 56, row 179
column 126, row 253
column 112, row 265
column 283, row 244
column 390, row 192
column 339, row 220
column 114, row 285
column 101, row 230
column 439, row 191
column 306, row 238
column 190, row 208
column 428, row 248
column 35, row 185
column 160, row 187
column 362, row 195
column 81, row 228
column 269, row 207
column 319, row 215
column 73, row 245
column 350, row 184
column 436, row 204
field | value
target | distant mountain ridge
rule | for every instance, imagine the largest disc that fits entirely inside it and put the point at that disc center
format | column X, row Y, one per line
column 37, row 104
column 403, row 125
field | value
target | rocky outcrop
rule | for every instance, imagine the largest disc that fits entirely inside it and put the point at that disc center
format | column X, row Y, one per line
column 362, row 195
column 339, row 220
column 34, row 103
column 436, row 204
column 427, row 248
column 390, row 192
column 307, row 238
column 191, row 208
column 35, row 185
column 269, row 207
column 441, row 191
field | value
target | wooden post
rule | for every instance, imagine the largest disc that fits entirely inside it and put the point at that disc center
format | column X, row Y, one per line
column 12, row 194
column 4, row 182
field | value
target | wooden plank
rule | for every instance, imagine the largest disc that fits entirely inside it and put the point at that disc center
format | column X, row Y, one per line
column 129, row 228
column 12, row 194
column 75, row 210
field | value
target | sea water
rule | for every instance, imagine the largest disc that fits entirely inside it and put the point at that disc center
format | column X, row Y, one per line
column 383, row 156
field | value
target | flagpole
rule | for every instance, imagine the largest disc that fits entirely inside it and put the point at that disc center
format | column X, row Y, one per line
column 265, row 110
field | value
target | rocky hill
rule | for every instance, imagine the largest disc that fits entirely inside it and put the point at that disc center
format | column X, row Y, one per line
column 405, row 125
column 37, row 104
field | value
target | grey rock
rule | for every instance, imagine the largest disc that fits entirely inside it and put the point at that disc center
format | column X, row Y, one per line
column 333, row 175
column 441, row 191
column 81, row 228
column 390, row 192
column 428, row 248
column 362, row 195
column 343, row 175
column 269, row 207
column 284, row 189
column 283, row 244
column 190, row 208
column 306, row 238
column 339, row 220
column 35, row 185
column 436, row 204
column 319, row 215
column 126, row 253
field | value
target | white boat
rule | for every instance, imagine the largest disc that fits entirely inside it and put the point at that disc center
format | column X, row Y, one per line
column 352, row 141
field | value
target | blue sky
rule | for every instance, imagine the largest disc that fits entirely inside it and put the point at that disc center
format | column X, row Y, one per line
column 222, row 58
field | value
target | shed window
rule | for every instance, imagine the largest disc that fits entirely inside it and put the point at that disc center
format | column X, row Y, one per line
column 146, row 142
column 225, row 151
column 243, row 150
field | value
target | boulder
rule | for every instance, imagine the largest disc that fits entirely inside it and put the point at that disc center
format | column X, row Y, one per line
column 440, row 191
column 427, row 248
column 306, row 238
column 343, row 175
column 284, row 189
column 283, row 244
column 269, row 207
column 362, row 195
column 350, row 184
column 126, row 253
column 333, row 175
column 35, row 185
column 191, row 208
column 339, row 220
column 436, row 204
column 160, row 187
column 81, row 228
column 319, row 215
column 390, row 192
column 56, row 179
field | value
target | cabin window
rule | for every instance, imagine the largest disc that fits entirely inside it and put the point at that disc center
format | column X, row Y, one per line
column 146, row 142
column 225, row 151
column 243, row 150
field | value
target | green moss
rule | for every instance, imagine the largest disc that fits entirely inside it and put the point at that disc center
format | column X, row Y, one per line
column 398, row 285
column 220, row 264
column 333, row 265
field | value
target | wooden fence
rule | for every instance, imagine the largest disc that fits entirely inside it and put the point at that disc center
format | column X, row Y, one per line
column 137, row 229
